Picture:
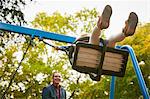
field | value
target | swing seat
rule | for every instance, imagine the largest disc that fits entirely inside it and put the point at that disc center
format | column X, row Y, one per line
column 96, row 59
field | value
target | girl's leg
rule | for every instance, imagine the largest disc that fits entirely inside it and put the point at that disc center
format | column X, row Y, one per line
column 113, row 40
column 103, row 23
column 94, row 38
column 128, row 30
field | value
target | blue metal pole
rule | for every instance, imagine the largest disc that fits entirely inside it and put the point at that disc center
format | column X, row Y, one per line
column 37, row 33
column 112, row 87
column 113, row 82
column 138, row 72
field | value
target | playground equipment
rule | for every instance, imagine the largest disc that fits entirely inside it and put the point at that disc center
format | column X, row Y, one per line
column 121, row 52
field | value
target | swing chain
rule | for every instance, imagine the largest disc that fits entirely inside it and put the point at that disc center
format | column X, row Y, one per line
column 13, row 76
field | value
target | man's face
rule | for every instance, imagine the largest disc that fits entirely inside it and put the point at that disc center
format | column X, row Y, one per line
column 56, row 78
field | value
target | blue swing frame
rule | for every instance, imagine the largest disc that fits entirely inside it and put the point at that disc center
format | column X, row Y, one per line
column 62, row 38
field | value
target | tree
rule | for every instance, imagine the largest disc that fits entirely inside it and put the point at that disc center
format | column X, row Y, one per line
column 126, row 87
column 26, row 82
column 11, row 12
column 141, row 45
column 69, row 24
column 41, row 60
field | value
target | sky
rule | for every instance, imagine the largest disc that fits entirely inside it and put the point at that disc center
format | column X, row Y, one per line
column 121, row 9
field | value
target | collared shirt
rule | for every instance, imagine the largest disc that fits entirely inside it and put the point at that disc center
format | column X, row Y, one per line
column 50, row 92
column 57, row 89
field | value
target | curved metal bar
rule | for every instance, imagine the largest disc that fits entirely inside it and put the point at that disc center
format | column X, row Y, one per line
column 138, row 72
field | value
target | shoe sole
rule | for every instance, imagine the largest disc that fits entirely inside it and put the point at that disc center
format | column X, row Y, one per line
column 132, row 23
column 106, row 14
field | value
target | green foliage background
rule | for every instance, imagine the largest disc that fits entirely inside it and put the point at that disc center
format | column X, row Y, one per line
column 41, row 60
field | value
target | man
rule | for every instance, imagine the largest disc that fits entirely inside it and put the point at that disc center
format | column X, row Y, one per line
column 54, row 91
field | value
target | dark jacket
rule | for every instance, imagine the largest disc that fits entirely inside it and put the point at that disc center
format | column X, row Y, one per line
column 49, row 92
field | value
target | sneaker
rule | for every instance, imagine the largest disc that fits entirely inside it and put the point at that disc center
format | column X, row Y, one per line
column 130, row 24
column 104, row 19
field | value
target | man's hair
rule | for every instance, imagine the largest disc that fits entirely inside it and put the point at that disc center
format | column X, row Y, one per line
column 54, row 73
